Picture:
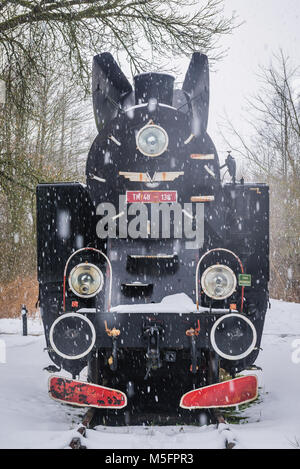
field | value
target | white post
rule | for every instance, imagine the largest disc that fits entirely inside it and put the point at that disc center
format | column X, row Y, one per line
column 2, row 92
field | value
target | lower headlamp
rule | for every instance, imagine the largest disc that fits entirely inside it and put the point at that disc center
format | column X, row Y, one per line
column 86, row 280
column 218, row 282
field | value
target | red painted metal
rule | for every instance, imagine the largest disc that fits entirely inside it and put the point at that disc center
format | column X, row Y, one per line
column 148, row 197
column 229, row 393
column 81, row 393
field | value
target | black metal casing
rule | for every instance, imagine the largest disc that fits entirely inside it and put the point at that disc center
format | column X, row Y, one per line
column 68, row 215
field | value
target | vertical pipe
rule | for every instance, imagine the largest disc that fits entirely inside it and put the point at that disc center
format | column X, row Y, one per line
column 24, row 319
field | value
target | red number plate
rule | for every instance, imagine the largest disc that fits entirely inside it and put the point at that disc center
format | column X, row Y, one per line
column 150, row 197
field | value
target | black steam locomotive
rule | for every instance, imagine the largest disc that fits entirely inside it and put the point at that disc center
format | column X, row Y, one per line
column 154, row 275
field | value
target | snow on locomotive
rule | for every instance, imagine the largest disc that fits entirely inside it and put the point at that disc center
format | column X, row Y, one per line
column 153, row 275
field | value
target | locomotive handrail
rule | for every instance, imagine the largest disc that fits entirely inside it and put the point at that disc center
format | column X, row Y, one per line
column 197, row 273
column 110, row 273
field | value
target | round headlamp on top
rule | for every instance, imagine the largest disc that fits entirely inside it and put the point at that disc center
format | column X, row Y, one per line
column 152, row 140
column 218, row 282
column 86, row 280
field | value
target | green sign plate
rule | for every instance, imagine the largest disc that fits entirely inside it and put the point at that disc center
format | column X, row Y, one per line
column 244, row 280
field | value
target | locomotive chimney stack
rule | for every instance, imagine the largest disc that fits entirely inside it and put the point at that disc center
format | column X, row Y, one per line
column 157, row 86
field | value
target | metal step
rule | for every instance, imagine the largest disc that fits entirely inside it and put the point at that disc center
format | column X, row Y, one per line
column 137, row 289
column 152, row 264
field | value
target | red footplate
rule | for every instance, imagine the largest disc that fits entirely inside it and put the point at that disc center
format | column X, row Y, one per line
column 83, row 394
column 229, row 393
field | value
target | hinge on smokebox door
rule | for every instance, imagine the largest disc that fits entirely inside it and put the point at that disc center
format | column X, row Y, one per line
column 255, row 189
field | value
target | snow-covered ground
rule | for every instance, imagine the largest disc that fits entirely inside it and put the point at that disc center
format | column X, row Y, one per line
column 30, row 419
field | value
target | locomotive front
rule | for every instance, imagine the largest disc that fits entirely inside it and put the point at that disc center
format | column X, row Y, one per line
column 154, row 275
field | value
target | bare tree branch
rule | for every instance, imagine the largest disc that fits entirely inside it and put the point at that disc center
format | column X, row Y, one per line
column 96, row 22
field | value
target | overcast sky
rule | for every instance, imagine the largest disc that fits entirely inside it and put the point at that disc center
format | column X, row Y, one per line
column 269, row 25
